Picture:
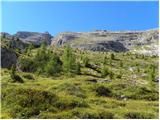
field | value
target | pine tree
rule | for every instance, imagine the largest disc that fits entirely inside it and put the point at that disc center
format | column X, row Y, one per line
column 112, row 56
column 14, row 76
column 13, row 71
column 42, row 58
column 104, row 71
column 111, row 75
column 78, row 68
column 29, row 48
column 152, row 73
column 69, row 62
column 86, row 61
column 44, row 53
column 121, row 64
column 105, row 60
column 53, row 67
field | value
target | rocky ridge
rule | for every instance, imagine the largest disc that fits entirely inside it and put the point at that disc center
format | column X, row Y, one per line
column 117, row 41
column 30, row 37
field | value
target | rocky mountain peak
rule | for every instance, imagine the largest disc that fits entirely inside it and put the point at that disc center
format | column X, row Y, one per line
column 34, row 37
column 104, row 40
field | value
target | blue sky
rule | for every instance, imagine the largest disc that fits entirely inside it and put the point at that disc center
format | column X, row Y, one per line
column 56, row 17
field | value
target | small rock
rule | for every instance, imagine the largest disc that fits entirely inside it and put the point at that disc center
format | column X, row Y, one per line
column 123, row 97
column 104, row 81
column 156, row 79
column 92, row 80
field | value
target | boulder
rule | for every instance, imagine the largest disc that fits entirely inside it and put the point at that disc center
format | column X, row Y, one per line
column 8, row 58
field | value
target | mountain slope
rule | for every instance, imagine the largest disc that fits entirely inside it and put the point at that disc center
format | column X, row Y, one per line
column 102, row 40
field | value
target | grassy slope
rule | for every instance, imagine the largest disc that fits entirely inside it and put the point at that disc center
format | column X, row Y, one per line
column 76, row 97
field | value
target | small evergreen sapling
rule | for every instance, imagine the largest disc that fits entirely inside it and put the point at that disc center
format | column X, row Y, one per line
column 14, row 76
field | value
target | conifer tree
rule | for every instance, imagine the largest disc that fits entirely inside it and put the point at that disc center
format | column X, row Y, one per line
column 78, row 68
column 104, row 71
column 152, row 73
column 112, row 56
column 14, row 76
column 105, row 60
column 53, row 67
column 69, row 62
column 86, row 61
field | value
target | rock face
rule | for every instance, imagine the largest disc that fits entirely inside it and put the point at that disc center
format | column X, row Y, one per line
column 17, row 44
column 6, row 35
column 34, row 37
column 102, row 40
column 11, row 42
column 8, row 58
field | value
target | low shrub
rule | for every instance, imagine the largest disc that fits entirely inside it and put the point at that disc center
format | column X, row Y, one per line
column 28, row 112
column 26, row 64
column 142, row 93
column 28, row 76
column 27, row 102
column 17, row 78
column 72, row 89
column 70, row 103
column 104, row 71
column 138, row 115
column 106, row 115
column 46, row 115
column 14, row 76
column 85, row 114
column 92, row 114
column 103, row 91
column 58, row 115
column 85, row 61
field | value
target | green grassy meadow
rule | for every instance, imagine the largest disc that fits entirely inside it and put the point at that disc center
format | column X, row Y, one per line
column 117, row 87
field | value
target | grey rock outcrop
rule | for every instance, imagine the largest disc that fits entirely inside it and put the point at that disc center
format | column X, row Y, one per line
column 6, row 35
column 34, row 37
column 14, row 44
column 11, row 42
column 103, row 40
column 8, row 58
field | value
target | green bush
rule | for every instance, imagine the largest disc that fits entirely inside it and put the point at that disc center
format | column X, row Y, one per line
column 28, row 76
column 28, row 102
column 27, row 64
column 70, row 103
column 139, row 115
column 57, row 115
column 85, row 114
column 142, row 93
column 14, row 76
column 104, row 71
column 103, row 91
column 105, row 60
column 152, row 72
column 121, row 64
column 69, row 62
column 46, row 115
column 53, row 67
column 28, row 112
column 111, row 75
column 92, row 114
column 106, row 115
column 85, row 61
column 78, row 68
column 71, row 89
column 112, row 57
